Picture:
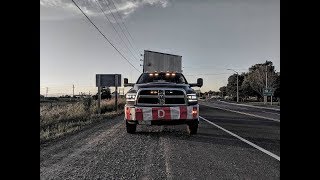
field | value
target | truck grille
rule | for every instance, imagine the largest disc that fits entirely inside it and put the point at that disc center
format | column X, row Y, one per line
column 161, row 97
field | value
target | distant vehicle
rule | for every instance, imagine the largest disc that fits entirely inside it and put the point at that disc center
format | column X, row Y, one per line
column 162, row 95
column 215, row 97
column 228, row 98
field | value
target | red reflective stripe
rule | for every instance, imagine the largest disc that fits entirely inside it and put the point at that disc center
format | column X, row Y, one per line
column 183, row 112
column 168, row 113
column 157, row 113
column 127, row 113
column 139, row 114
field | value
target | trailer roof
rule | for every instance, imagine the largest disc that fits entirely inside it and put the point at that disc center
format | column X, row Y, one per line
column 162, row 53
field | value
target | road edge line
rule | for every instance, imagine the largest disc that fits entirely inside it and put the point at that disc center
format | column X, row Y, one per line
column 244, row 140
column 272, row 119
column 250, row 106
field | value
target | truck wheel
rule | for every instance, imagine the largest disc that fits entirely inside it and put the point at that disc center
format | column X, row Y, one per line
column 131, row 128
column 193, row 128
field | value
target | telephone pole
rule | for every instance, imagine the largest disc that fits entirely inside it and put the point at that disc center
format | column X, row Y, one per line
column 237, row 83
column 73, row 90
column 47, row 91
column 265, row 97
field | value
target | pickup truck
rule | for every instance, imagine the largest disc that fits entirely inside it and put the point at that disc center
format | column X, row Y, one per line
column 162, row 98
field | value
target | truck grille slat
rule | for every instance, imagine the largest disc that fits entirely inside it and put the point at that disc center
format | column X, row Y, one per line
column 161, row 97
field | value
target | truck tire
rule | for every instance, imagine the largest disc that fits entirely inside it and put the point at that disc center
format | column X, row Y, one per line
column 193, row 128
column 131, row 128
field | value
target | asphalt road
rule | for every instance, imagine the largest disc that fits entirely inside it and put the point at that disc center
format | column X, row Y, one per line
column 106, row 151
column 268, row 113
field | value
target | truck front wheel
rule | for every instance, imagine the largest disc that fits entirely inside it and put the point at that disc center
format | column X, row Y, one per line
column 193, row 127
column 131, row 128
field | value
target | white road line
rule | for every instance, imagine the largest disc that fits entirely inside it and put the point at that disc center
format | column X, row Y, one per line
column 242, row 108
column 250, row 106
column 271, row 112
column 244, row 140
column 165, row 146
column 272, row 119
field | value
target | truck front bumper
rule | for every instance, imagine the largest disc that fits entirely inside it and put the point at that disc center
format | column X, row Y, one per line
column 170, row 115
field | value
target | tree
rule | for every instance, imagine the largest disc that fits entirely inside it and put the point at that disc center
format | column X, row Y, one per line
column 257, row 77
column 105, row 93
column 215, row 93
column 232, row 85
column 223, row 90
column 246, row 89
column 277, row 87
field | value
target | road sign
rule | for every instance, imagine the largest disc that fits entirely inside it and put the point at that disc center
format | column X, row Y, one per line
column 268, row 92
column 107, row 80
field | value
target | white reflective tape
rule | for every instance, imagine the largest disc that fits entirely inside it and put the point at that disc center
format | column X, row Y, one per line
column 189, row 112
column 147, row 113
column 132, row 113
column 175, row 112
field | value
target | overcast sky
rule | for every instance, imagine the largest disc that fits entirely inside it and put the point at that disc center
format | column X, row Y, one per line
column 210, row 35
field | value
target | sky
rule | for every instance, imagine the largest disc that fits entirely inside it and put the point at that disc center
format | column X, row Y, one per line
column 210, row 35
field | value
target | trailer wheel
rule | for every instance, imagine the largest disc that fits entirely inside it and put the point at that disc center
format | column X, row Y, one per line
column 193, row 128
column 131, row 128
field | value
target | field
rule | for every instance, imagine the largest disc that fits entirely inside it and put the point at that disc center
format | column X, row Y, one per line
column 61, row 118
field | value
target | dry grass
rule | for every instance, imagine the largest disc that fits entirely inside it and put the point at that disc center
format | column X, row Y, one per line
column 59, row 120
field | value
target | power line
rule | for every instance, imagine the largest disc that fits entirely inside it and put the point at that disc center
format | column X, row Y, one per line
column 105, row 36
column 204, row 74
column 124, row 24
column 119, row 26
column 211, row 67
column 98, row 4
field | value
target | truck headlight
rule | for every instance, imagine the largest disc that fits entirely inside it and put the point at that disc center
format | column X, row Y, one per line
column 131, row 96
column 192, row 97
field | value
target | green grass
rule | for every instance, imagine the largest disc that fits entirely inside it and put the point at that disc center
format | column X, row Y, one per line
column 61, row 119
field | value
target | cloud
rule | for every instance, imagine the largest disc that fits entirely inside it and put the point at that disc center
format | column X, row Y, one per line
column 91, row 8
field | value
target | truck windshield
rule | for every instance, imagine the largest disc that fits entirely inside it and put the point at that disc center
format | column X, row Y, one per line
column 162, row 77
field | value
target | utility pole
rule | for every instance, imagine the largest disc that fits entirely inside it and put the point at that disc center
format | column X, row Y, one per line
column 116, row 92
column 73, row 90
column 99, row 96
column 237, row 88
column 266, row 97
column 46, row 91
column 237, row 83
column 142, row 61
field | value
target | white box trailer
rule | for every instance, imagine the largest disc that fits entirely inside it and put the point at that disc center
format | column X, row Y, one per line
column 157, row 61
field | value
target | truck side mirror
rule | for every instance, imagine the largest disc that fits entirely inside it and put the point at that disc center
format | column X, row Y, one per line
column 126, row 84
column 125, row 80
column 200, row 82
